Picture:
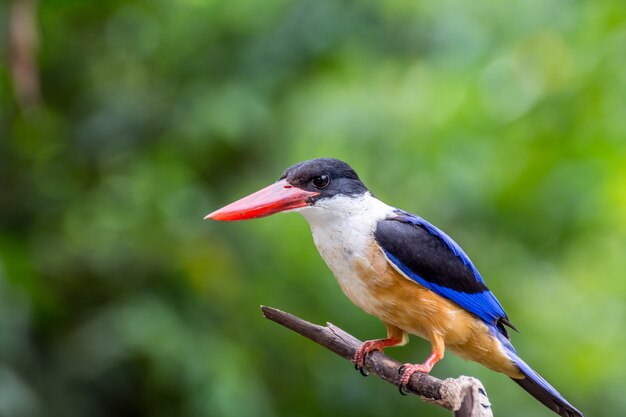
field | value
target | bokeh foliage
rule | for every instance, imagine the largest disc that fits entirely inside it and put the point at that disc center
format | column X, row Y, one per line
column 501, row 122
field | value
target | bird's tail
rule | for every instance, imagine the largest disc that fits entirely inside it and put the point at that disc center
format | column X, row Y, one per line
column 537, row 386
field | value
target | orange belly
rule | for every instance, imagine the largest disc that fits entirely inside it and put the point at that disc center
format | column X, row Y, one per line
column 402, row 303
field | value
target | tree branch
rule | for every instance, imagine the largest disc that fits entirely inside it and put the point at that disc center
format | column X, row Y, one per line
column 465, row 396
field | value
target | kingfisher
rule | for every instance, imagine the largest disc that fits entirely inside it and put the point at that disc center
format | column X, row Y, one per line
column 399, row 268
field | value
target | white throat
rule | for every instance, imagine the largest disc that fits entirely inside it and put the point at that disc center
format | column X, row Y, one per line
column 343, row 229
column 361, row 212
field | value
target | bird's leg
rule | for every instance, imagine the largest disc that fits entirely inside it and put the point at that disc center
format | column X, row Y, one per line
column 372, row 345
column 408, row 369
column 395, row 337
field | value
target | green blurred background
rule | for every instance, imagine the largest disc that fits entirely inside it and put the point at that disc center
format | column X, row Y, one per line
column 122, row 123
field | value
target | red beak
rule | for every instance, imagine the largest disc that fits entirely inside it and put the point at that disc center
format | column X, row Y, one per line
column 278, row 197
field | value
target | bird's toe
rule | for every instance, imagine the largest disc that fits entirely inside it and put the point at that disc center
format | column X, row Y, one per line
column 361, row 369
column 407, row 370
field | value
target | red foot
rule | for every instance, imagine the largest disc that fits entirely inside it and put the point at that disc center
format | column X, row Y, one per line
column 370, row 346
column 407, row 370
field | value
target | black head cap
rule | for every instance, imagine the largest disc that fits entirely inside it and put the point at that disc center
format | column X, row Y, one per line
column 328, row 176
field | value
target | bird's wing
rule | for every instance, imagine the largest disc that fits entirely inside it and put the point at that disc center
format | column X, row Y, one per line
column 431, row 258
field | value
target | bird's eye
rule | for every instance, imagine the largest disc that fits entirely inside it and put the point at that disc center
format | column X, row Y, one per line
column 321, row 181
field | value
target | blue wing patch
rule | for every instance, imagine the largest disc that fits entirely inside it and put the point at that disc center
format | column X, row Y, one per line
column 430, row 257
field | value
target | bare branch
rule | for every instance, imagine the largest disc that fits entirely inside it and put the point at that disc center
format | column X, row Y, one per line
column 465, row 396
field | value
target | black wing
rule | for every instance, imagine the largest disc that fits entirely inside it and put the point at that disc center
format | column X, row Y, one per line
column 431, row 258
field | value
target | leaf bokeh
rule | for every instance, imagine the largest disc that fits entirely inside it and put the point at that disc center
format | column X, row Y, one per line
column 500, row 122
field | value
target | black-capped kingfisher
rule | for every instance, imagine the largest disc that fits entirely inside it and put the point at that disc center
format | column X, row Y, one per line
column 400, row 268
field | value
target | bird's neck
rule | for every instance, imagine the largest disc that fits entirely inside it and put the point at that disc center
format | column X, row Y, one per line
column 341, row 209
column 345, row 224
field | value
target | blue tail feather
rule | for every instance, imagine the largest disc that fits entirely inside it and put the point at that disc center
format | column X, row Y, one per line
column 536, row 386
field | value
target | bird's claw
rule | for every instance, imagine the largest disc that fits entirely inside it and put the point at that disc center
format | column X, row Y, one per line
column 369, row 346
column 359, row 357
column 406, row 371
column 402, row 387
column 361, row 369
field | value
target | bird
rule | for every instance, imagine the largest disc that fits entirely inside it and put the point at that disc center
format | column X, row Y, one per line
column 400, row 268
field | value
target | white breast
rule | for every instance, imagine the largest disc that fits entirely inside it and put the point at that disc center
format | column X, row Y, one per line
column 343, row 231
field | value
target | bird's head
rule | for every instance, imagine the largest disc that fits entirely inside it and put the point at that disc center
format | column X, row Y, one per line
column 312, row 183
